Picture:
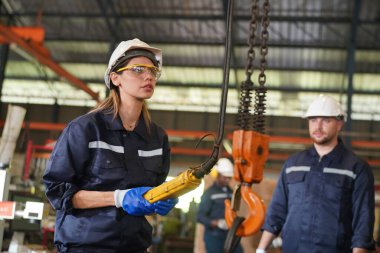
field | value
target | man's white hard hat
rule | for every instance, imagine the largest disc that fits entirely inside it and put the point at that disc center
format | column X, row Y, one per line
column 129, row 49
column 325, row 106
column 225, row 167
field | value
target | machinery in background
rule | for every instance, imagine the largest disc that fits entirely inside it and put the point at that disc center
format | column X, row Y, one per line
column 22, row 210
column 11, row 131
column 25, row 226
column 174, row 232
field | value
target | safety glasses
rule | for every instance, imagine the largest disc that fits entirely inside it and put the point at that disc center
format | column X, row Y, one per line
column 139, row 69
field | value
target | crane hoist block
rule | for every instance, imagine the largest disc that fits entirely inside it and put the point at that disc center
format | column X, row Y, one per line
column 250, row 151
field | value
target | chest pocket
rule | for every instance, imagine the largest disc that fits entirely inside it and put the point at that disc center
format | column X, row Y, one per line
column 108, row 166
column 152, row 161
column 296, row 186
column 337, row 186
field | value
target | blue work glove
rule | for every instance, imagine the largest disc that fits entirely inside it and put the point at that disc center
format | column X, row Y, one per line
column 163, row 207
column 133, row 202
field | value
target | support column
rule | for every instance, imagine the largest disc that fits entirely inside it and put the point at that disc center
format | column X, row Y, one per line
column 4, row 51
column 351, row 68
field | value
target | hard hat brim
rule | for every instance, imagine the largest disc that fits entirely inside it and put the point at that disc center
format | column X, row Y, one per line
column 139, row 45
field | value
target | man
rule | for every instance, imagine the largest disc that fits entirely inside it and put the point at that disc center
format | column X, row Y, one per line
column 324, row 198
column 211, row 208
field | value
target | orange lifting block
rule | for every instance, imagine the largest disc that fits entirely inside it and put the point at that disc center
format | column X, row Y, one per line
column 250, row 151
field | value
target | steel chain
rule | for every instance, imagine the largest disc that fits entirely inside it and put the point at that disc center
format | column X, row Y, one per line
column 251, row 39
column 264, row 43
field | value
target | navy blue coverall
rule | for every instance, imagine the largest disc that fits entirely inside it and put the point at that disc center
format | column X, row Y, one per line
column 96, row 153
column 323, row 205
column 212, row 208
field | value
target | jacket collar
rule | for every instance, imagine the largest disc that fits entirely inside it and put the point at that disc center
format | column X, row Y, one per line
column 334, row 154
column 337, row 152
column 115, row 124
column 141, row 129
column 112, row 123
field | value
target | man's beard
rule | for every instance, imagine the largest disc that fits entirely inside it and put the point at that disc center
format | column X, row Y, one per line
column 326, row 139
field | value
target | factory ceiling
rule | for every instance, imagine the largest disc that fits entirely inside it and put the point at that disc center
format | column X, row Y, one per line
column 322, row 46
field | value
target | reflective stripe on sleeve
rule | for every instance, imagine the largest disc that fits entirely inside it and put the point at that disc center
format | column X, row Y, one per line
column 297, row 168
column 148, row 153
column 339, row 171
column 104, row 145
column 219, row 196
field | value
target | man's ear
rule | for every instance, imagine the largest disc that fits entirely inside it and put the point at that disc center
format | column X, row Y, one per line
column 340, row 125
column 114, row 78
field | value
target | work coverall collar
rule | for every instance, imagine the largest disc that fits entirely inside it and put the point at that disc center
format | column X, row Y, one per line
column 334, row 154
column 222, row 188
column 115, row 124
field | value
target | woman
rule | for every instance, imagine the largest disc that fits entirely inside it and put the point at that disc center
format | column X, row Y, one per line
column 105, row 160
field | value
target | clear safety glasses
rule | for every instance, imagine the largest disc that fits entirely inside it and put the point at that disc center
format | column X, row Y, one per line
column 139, row 69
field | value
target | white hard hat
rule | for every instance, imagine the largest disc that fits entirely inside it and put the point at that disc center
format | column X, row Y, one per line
column 325, row 106
column 225, row 167
column 132, row 46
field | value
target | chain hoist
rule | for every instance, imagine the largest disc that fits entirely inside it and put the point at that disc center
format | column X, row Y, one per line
column 250, row 144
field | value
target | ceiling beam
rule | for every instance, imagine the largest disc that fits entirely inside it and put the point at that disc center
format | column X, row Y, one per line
column 201, row 42
column 195, row 17
column 289, row 88
column 37, row 52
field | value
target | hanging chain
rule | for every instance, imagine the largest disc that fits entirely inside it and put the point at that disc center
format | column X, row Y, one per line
column 244, row 120
column 251, row 40
column 264, row 43
column 260, row 92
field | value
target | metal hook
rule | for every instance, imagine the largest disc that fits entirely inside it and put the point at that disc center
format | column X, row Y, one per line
column 256, row 210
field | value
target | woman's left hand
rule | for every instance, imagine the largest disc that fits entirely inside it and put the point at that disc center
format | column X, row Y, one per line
column 163, row 207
